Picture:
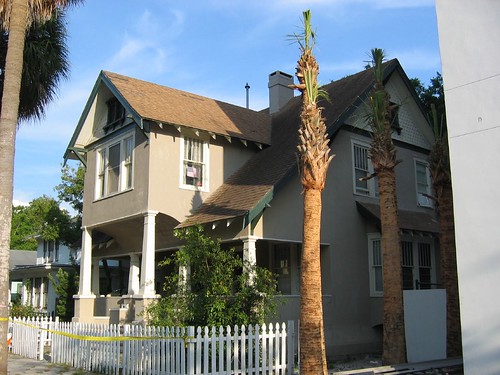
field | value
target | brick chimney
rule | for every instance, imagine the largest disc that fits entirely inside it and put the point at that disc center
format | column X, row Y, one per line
column 279, row 92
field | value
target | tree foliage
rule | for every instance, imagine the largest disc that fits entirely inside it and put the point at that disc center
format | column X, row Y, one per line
column 65, row 285
column 43, row 217
column 218, row 290
column 70, row 190
column 45, row 64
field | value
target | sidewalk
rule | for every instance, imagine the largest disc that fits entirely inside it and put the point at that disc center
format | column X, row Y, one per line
column 18, row 365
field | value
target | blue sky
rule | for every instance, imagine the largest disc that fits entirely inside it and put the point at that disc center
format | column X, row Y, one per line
column 213, row 48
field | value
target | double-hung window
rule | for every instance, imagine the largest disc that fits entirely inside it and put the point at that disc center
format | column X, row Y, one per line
column 423, row 183
column 362, row 168
column 417, row 262
column 375, row 264
column 194, row 164
column 115, row 167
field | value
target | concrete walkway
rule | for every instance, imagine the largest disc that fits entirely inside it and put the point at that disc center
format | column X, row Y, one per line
column 23, row 366
column 18, row 365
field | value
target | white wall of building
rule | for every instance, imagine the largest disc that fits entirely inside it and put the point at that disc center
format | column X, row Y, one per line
column 469, row 37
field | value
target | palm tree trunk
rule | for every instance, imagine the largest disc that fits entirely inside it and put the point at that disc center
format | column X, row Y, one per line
column 448, row 270
column 8, row 127
column 394, row 331
column 312, row 360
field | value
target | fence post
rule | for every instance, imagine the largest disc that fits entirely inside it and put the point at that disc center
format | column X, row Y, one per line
column 190, row 343
column 290, row 338
column 42, row 325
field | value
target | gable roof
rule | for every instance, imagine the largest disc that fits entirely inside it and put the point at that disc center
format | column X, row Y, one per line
column 146, row 101
column 247, row 191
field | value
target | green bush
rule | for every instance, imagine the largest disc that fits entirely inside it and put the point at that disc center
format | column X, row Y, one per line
column 23, row 311
column 219, row 290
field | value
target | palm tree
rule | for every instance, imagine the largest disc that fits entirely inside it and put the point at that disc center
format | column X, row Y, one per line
column 45, row 65
column 383, row 156
column 16, row 17
column 314, row 159
column 439, row 165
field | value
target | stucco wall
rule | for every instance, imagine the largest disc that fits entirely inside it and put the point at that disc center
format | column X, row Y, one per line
column 122, row 204
column 469, row 36
column 164, row 192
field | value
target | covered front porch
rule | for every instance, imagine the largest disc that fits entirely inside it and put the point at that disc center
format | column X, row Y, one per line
column 117, row 283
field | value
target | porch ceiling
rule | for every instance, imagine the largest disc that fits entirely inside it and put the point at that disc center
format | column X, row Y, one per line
column 123, row 237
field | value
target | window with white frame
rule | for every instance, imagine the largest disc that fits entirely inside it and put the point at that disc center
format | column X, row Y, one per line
column 194, row 164
column 417, row 256
column 375, row 263
column 423, row 183
column 362, row 168
column 50, row 251
column 115, row 167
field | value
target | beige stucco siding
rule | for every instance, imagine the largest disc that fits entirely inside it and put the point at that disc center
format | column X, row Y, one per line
column 165, row 193
column 120, row 205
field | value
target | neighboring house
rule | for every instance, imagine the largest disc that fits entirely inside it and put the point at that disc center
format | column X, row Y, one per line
column 29, row 276
column 18, row 258
column 159, row 159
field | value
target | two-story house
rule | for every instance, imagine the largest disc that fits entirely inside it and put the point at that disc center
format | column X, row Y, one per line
column 30, row 279
column 158, row 159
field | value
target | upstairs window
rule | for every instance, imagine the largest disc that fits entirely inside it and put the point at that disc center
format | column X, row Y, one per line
column 423, row 183
column 116, row 114
column 115, row 167
column 194, row 164
column 362, row 168
column 50, row 251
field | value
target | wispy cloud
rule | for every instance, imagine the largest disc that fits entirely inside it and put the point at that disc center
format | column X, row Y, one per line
column 144, row 48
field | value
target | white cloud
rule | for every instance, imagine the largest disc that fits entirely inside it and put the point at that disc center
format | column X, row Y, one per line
column 16, row 202
column 144, row 49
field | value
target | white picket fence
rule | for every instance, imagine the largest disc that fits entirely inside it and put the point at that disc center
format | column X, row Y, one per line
column 134, row 349
column 31, row 335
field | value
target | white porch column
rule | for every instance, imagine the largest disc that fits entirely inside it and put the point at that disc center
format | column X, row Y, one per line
column 147, row 286
column 184, row 277
column 24, row 299
column 42, row 286
column 133, row 275
column 95, row 277
column 86, row 264
column 250, row 254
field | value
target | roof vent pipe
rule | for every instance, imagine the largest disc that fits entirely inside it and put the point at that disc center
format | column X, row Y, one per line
column 247, row 88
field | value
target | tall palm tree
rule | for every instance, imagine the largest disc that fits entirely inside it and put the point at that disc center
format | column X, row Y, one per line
column 439, row 165
column 16, row 16
column 314, row 159
column 382, row 153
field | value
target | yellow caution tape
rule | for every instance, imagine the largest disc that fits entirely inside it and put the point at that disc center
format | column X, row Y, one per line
column 107, row 338
column 3, row 319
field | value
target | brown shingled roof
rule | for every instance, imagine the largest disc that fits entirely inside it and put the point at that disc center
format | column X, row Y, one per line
column 175, row 107
column 264, row 173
